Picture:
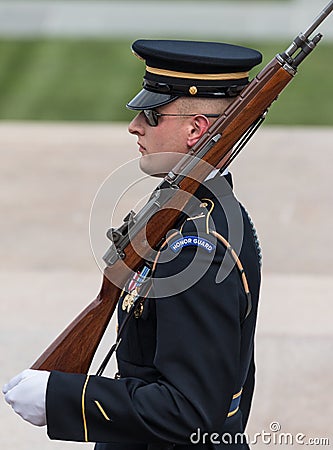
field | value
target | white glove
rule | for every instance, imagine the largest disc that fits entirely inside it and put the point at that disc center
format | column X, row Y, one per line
column 26, row 393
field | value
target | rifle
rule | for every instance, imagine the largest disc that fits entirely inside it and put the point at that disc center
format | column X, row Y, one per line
column 141, row 234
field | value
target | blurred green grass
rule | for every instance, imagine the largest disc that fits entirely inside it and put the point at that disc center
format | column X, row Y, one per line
column 63, row 79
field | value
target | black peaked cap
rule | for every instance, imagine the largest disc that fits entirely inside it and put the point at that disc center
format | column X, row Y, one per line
column 191, row 68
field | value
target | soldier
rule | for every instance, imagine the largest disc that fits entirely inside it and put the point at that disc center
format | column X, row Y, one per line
column 186, row 365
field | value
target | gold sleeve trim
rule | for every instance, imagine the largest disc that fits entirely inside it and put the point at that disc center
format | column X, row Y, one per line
column 233, row 412
column 238, row 394
column 84, row 410
column 197, row 76
column 99, row 406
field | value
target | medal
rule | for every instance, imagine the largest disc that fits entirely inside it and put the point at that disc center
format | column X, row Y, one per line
column 129, row 300
column 133, row 289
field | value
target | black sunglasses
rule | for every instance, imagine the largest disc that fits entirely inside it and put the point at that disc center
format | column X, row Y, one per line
column 152, row 116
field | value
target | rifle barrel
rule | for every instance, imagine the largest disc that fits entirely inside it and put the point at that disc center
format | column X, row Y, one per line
column 321, row 17
column 303, row 37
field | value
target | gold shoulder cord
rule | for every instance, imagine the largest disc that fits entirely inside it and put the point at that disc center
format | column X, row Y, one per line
column 240, row 268
column 233, row 254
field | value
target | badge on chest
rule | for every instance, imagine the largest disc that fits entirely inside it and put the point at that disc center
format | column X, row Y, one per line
column 135, row 289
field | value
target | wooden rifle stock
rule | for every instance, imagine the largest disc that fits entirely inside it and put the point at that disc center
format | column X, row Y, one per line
column 74, row 348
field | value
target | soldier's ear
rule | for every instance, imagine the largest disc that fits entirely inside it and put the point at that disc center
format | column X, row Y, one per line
column 198, row 125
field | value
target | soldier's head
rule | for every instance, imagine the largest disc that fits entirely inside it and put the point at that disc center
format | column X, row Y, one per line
column 187, row 85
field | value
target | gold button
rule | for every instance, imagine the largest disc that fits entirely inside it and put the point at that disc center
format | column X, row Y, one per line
column 193, row 90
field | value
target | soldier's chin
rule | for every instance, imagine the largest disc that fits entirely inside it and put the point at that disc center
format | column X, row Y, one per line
column 159, row 164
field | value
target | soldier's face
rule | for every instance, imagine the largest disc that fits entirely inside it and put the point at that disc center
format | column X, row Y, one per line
column 162, row 146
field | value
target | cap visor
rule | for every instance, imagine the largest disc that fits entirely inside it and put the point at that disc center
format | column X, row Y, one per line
column 149, row 100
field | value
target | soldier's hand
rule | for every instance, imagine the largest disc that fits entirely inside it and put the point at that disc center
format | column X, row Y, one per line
column 26, row 394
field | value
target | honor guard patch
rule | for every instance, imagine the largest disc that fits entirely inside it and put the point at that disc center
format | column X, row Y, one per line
column 195, row 241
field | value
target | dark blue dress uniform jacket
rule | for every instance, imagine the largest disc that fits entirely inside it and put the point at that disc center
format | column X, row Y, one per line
column 189, row 353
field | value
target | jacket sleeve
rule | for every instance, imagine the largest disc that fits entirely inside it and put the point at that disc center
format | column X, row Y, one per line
column 197, row 358
column 247, row 394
